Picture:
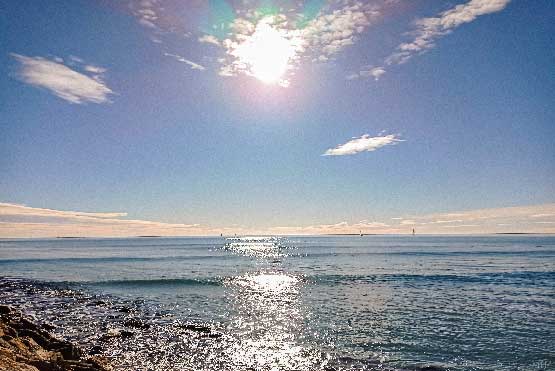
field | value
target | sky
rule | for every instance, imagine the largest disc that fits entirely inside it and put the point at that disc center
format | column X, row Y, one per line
column 165, row 117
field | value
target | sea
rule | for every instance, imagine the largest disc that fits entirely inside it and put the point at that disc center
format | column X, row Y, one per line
column 293, row 303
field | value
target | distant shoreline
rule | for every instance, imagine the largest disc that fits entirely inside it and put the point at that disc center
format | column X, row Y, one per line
column 292, row 235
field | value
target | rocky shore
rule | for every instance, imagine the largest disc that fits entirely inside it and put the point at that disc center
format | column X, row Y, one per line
column 28, row 346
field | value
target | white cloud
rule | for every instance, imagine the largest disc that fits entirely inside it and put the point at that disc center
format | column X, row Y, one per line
column 329, row 33
column 146, row 11
column 505, row 219
column 375, row 72
column 24, row 221
column 364, row 226
column 365, row 143
column 429, row 29
column 94, row 69
column 542, row 215
column 64, row 82
column 193, row 65
column 209, row 39
column 19, row 210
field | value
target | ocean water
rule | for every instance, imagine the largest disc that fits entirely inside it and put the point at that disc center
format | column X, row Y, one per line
column 294, row 303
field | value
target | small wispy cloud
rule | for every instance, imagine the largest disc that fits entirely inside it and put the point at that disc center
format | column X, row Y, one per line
column 193, row 65
column 375, row 72
column 365, row 143
column 146, row 12
column 428, row 30
column 63, row 81
column 209, row 39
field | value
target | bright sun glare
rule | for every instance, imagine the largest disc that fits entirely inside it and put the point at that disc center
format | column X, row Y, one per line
column 267, row 53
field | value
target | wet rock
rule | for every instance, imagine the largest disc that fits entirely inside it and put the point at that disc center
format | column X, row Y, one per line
column 432, row 368
column 125, row 309
column 124, row 334
column 195, row 328
column 5, row 309
column 70, row 352
column 215, row 335
column 100, row 363
column 116, row 333
column 136, row 323
column 98, row 303
column 97, row 349
column 26, row 346
column 48, row 326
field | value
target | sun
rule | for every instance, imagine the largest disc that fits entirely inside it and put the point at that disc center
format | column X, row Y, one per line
column 268, row 53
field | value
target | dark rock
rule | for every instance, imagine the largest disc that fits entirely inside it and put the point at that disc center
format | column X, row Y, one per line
column 195, row 328
column 215, row 335
column 97, row 349
column 5, row 309
column 41, row 340
column 48, row 326
column 100, row 363
column 136, row 323
column 26, row 346
column 124, row 334
column 98, row 303
column 432, row 368
column 70, row 352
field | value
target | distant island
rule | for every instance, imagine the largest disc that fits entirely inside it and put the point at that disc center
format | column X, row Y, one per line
column 516, row 233
column 351, row 234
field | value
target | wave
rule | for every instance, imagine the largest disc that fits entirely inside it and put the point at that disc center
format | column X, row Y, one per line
column 158, row 282
column 109, row 259
column 512, row 278
column 501, row 278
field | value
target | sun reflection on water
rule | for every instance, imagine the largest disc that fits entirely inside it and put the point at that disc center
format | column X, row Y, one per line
column 265, row 247
column 269, row 319
column 266, row 311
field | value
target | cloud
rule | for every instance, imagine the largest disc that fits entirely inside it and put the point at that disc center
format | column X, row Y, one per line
column 542, row 215
column 375, row 72
column 19, row 210
column 364, row 226
column 62, row 81
column 328, row 34
column 209, row 39
column 505, row 219
column 146, row 12
column 94, row 69
column 429, row 29
column 194, row 66
column 24, row 221
column 365, row 143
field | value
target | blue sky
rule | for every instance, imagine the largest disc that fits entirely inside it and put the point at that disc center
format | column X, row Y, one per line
column 269, row 116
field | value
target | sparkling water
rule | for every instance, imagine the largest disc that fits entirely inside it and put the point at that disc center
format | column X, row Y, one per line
column 294, row 303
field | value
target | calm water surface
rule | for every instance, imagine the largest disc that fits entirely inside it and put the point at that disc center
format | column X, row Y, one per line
column 295, row 303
